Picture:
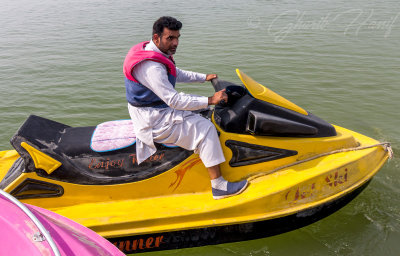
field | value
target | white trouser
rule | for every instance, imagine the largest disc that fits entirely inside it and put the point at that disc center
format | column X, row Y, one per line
column 182, row 128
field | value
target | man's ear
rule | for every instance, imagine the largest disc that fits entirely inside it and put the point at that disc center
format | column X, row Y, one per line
column 156, row 39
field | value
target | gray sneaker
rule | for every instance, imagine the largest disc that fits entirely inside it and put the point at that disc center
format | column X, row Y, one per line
column 234, row 188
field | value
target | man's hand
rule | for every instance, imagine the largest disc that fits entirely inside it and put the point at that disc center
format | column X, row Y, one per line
column 218, row 97
column 211, row 76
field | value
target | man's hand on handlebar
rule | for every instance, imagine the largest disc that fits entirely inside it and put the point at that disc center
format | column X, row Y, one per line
column 209, row 77
column 218, row 97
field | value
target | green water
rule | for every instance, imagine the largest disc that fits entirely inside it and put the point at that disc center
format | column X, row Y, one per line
column 338, row 59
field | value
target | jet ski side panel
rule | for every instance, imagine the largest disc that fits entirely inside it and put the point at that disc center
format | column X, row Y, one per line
column 230, row 233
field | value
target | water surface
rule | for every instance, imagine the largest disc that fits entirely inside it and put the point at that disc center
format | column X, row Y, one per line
column 338, row 59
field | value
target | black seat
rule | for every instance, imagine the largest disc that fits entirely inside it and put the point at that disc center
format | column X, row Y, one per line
column 82, row 165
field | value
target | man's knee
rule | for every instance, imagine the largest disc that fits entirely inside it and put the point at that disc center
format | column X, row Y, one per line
column 209, row 127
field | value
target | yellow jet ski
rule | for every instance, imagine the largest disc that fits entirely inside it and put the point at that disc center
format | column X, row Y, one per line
column 300, row 169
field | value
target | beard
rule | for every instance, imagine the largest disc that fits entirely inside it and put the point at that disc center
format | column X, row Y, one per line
column 167, row 50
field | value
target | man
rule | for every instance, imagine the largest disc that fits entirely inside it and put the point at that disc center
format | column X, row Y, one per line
column 161, row 114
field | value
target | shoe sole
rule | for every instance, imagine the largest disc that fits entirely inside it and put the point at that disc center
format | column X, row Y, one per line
column 237, row 193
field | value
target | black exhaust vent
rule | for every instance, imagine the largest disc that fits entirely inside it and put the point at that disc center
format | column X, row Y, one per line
column 31, row 188
column 247, row 154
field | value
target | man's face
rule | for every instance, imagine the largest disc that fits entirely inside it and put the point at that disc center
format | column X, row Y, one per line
column 168, row 41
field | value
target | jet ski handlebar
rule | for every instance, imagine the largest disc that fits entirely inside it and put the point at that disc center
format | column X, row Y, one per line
column 233, row 91
column 219, row 84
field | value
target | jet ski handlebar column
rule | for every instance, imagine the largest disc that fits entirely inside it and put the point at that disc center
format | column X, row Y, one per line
column 216, row 84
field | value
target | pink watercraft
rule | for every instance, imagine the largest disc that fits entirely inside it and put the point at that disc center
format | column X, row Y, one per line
column 30, row 230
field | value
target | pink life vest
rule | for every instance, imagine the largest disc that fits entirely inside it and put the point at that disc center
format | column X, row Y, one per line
column 137, row 94
column 137, row 54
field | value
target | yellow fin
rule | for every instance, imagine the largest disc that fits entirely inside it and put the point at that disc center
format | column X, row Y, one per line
column 41, row 160
column 261, row 92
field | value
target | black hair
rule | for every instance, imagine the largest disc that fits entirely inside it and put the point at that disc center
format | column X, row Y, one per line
column 166, row 22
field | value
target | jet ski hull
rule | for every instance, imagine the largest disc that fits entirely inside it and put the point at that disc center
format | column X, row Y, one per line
column 231, row 233
column 186, row 215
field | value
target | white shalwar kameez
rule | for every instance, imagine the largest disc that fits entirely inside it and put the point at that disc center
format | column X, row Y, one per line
column 175, row 124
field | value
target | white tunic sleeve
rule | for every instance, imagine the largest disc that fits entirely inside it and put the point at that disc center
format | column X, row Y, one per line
column 154, row 76
column 183, row 76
